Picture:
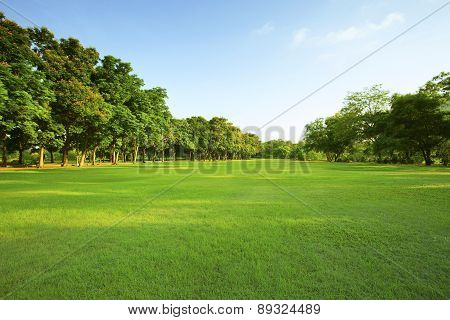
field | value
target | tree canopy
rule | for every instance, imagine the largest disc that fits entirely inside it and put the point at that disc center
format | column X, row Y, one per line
column 374, row 125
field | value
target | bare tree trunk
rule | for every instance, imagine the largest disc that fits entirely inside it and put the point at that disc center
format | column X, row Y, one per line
column 4, row 150
column 136, row 150
column 52, row 159
column 83, row 158
column 78, row 157
column 94, row 151
column 41, row 157
column 123, row 152
column 65, row 160
column 143, row 155
column 162, row 145
column 113, row 154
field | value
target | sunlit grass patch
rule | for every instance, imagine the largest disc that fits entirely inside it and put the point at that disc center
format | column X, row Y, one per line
column 227, row 233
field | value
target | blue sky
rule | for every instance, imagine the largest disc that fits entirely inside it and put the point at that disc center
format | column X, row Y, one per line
column 250, row 60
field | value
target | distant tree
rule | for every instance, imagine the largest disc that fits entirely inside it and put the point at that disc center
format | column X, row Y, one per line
column 421, row 119
column 182, row 137
column 200, row 135
column 279, row 149
column 298, row 151
column 234, row 142
column 251, row 145
column 368, row 107
column 443, row 152
column 439, row 85
column 218, row 144
column 370, row 100
column 160, row 132
column 334, row 135
column 316, row 137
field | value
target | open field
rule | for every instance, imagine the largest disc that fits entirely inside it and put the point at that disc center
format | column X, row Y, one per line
column 222, row 230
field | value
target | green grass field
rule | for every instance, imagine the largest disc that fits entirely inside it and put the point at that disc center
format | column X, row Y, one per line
column 226, row 230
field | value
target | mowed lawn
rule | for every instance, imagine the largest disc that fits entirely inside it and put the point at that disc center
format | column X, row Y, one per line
column 256, row 229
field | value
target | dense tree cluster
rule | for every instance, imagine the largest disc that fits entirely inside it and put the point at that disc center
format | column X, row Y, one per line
column 376, row 126
column 58, row 96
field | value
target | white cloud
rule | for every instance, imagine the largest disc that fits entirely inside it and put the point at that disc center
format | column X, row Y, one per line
column 353, row 32
column 389, row 20
column 263, row 30
column 348, row 34
column 299, row 36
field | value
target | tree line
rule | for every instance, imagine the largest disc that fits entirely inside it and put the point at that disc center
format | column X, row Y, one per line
column 58, row 96
column 374, row 125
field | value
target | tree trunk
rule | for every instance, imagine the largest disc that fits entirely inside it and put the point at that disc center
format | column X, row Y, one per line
column 52, row 159
column 83, row 158
column 41, row 157
column 112, row 154
column 94, row 151
column 78, row 157
column 143, row 155
column 136, row 150
column 116, row 157
column 427, row 157
column 20, row 154
column 65, row 160
column 4, row 151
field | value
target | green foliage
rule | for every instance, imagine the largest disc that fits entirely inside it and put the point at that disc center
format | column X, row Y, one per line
column 24, row 91
column 365, row 129
column 419, row 118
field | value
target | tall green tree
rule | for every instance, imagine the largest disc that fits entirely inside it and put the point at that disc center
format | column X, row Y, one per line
column 421, row 119
column 200, row 135
column 69, row 66
column 25, row 91
column 117, row 85
column 218, row 139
